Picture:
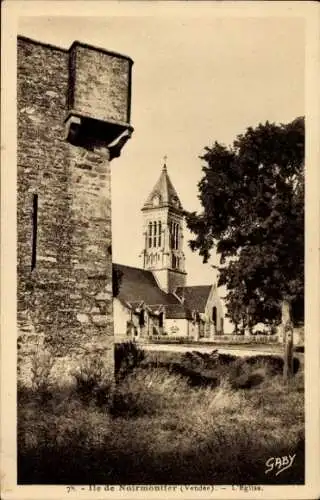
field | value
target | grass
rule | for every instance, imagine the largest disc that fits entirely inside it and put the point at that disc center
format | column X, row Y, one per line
column 163, row 427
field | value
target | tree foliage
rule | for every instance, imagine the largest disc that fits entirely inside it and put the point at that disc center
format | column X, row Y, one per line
column 252, row 195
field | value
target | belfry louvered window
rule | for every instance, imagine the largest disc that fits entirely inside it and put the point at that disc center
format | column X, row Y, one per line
column 176, row 236
column 154, row 234
column 150, row 235
column 174, row 230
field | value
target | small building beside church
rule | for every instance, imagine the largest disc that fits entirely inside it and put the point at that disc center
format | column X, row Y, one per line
column 155, row 301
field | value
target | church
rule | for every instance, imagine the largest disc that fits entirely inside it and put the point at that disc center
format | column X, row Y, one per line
column 155, row 302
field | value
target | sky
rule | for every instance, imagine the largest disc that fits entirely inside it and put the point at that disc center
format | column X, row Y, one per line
column 196, row 79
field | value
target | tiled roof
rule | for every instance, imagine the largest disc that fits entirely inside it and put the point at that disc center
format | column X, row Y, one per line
column 166, row 192
column 139, row 285
column 177, row 311
column 195, row 297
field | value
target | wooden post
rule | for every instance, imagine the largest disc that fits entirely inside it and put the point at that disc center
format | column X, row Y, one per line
column 287, row 340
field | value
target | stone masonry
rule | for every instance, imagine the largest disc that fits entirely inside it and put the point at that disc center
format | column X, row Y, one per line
column 73, row 119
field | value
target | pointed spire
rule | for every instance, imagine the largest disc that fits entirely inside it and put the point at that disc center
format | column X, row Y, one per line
column 163, row 192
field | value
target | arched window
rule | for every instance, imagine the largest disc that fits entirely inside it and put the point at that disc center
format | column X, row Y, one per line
column 154, row 234
column 141, row 318
column 174, row 232
column 177, row 237
column 161, row 320
column 150, row 235
column 159, row 233
column 174, row 261
column 214, row 315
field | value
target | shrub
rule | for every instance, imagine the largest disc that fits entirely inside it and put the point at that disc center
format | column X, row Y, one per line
column 248, row 380
column 127, row 357
column 42, row 363
column 93, row 381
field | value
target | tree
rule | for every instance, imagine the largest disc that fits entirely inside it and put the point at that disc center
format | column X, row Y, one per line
column 252, row 196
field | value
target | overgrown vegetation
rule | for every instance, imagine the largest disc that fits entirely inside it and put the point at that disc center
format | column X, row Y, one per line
column 172, row 419
column 127, row 357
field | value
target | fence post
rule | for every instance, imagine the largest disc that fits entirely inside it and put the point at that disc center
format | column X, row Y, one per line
column 288, row 341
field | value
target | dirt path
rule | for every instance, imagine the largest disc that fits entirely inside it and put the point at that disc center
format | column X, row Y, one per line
column 242, row 350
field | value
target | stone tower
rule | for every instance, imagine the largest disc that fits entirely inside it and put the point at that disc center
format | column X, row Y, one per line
column 163, row 235
column 73, row 119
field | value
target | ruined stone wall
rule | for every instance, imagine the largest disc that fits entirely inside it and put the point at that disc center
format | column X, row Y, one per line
column 64, row 303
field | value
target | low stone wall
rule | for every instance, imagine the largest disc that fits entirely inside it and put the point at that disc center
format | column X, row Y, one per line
column 244, row 339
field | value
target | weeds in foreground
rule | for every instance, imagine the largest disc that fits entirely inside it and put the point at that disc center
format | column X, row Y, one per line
column 94, row 381
column 159, row 428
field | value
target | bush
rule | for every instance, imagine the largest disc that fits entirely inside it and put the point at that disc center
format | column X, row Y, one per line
column 207, row 369
column 42, row 363
column 93, row 381
column 127, row 357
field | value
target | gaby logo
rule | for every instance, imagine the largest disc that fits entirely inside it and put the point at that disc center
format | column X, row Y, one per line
column 279, row 464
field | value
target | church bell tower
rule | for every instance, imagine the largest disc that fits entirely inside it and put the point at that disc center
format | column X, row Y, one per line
column 163, row 235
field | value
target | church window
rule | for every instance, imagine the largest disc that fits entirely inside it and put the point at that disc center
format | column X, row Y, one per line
column 174, row 231
column 172, row 234
column 155, row 234
column 214, row 315
column 150, row 235
column 141, row 318
column 34, row 231
column 161, row 320
column 174, row 261
column 156, row 200
column 176, row 239
column 159, row 233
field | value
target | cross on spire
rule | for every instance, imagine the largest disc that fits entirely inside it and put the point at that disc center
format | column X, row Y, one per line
column 165, row 162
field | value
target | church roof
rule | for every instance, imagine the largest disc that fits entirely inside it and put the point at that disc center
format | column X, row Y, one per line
column 166, row 192
column 195, row 297
column 178, row 311
column 139, row 285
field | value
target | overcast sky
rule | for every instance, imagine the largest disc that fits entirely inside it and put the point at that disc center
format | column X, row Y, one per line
column 195, row 80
